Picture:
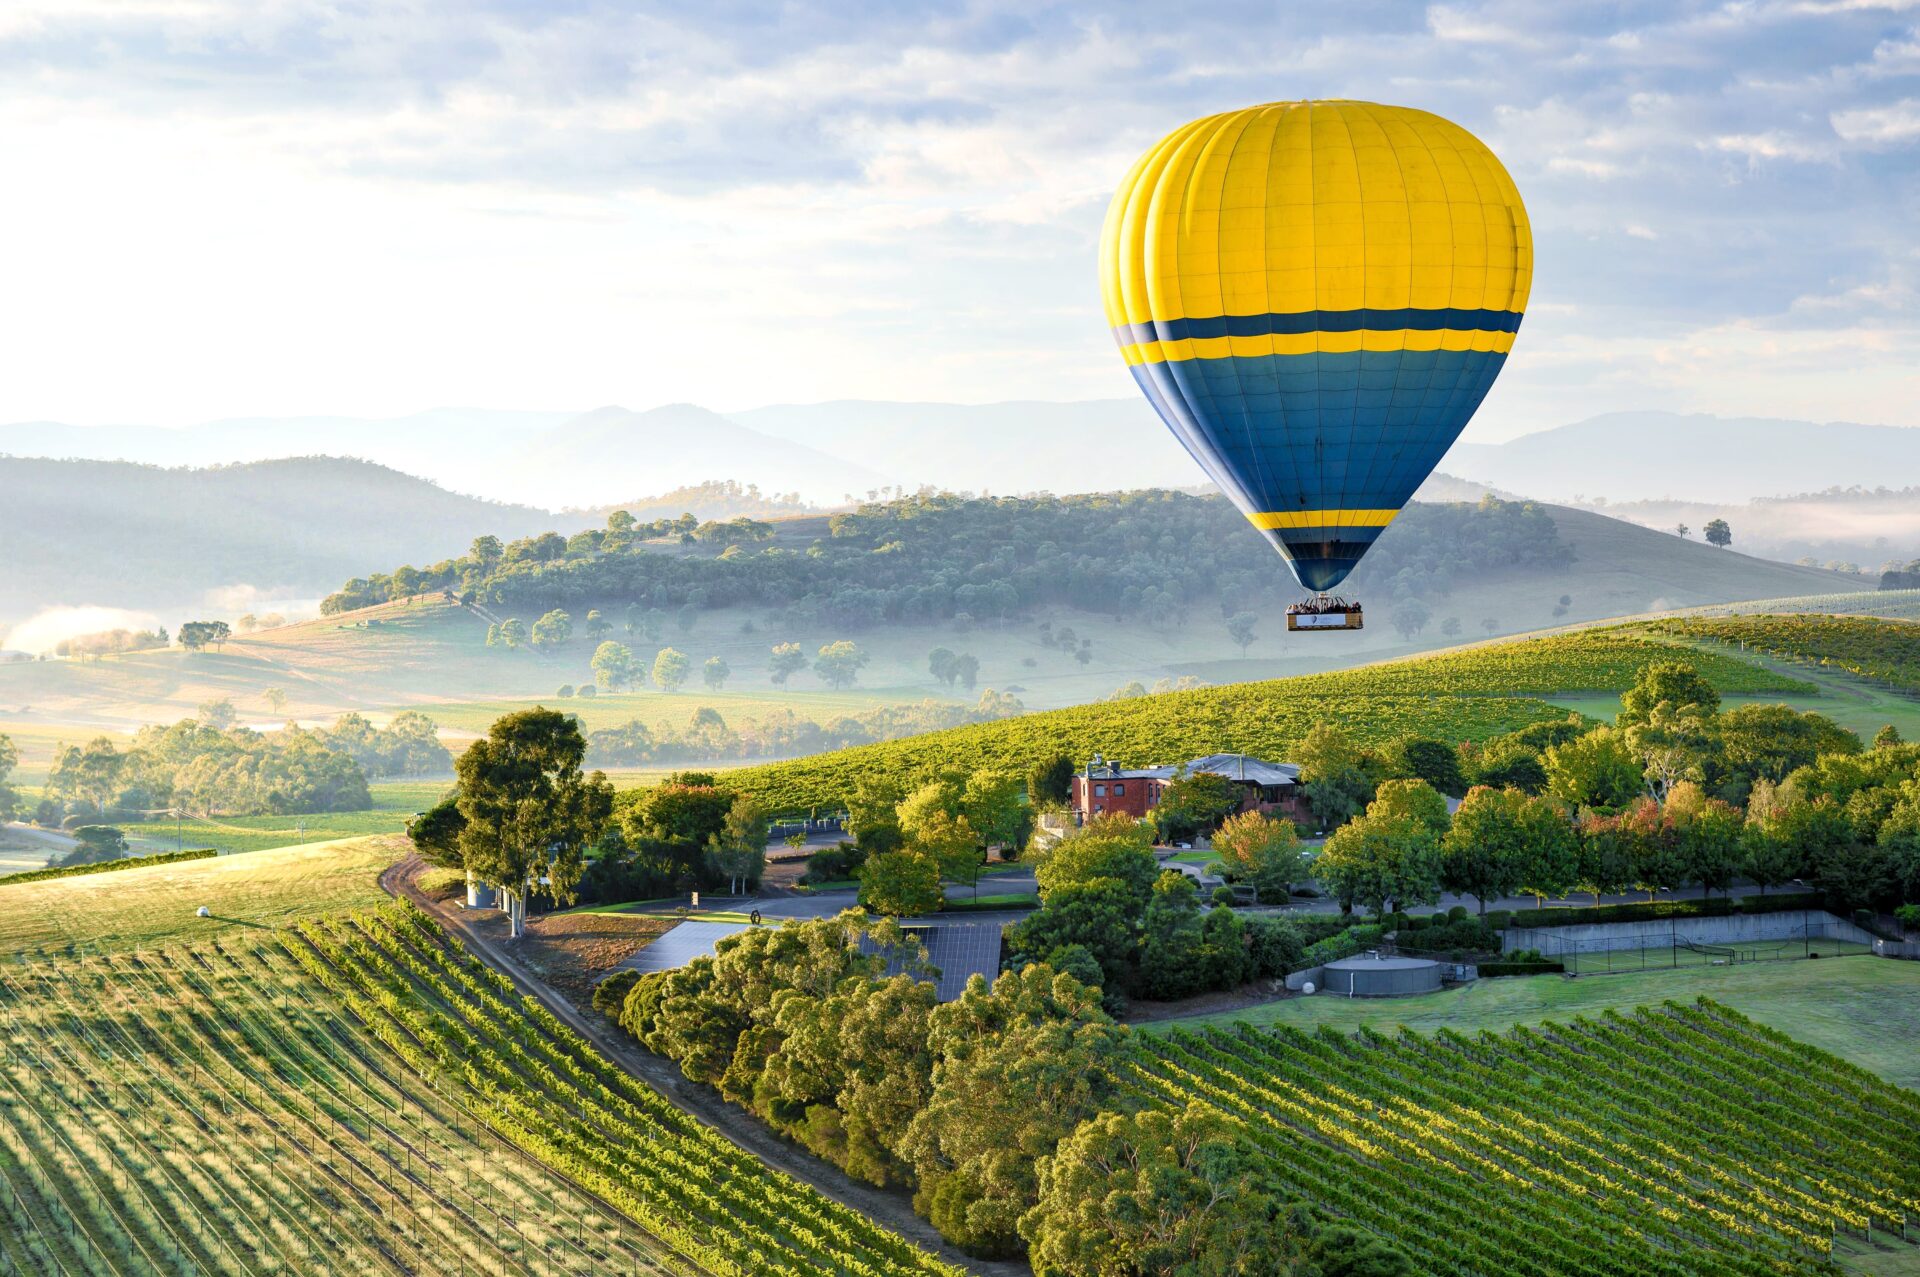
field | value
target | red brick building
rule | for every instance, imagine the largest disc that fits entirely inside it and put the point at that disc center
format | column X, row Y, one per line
column 1102, row 787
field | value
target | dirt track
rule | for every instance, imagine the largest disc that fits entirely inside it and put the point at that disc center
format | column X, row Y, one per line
column 891, row 1209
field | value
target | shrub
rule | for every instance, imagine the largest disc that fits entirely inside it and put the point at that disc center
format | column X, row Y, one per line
column 1342, row 944
column 833, row 864
column 1655, row 910
column 610, row 995
column 1274, row 947
column 1467, row 934
column 107, row 866
column 1908, row 916
column 1223, row 895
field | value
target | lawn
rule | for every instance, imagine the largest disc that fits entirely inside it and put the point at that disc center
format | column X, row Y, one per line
column 1852, row 702
column 135, row 908
column 1863, row 1009
column 394, row 804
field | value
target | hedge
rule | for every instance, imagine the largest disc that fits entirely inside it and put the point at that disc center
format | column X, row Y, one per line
column 1656, row 910
column 1342, row 944
column 108, row 866
column 1488, row 970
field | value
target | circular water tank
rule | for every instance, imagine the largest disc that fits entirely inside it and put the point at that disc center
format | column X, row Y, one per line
column 1375, row 976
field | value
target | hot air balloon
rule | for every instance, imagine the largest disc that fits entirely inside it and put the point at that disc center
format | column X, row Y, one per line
column 1315, row 297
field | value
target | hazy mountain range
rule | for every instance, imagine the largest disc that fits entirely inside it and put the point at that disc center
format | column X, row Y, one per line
column 1642, row 456
column 230, row 538
column 828, row 452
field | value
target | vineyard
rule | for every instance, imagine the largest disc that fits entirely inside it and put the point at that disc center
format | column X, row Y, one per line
column 359, row 1095
column 1856, row 602
column 1684, row 1142
column 1264, row 719
column 1887, row 651
column 1465, row 695
column 1586, row 661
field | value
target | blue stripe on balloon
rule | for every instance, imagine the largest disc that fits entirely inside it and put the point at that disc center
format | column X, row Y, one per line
column 1321, row 321
column 1357, row 430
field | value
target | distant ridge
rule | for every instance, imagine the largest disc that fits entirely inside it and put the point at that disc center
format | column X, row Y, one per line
column 1640, row 456
column 79, row 532
column 610, row 453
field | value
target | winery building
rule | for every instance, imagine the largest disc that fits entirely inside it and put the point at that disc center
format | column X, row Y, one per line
column 1104, row 786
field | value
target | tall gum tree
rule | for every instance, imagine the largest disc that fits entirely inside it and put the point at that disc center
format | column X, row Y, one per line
column 529, row 811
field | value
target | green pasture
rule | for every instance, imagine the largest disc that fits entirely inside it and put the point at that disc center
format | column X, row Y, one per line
column 137, row 907
column 1862, row 1009
column 1854, row 703
column 394, row 804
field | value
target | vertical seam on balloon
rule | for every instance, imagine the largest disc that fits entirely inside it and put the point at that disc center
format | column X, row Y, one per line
column 1257, row 464
column 1453, row 265
column 1189, row 384
column 1274, row 486
column 1360, row 355
column 1313, row 204
column 1368, row 497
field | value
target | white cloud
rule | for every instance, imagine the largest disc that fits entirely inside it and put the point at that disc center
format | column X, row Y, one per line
column 1773, row 144
column 304, row 207
column 1894, row 123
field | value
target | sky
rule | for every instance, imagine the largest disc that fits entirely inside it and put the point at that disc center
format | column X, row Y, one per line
column 284, row 207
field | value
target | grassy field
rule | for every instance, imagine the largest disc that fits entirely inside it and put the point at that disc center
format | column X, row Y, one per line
column 394, row 804
column 135, row 908
column 1854, row 703
column 1866, row 1010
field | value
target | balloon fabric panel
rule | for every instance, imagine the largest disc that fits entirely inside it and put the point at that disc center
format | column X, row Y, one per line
column 1316, row 297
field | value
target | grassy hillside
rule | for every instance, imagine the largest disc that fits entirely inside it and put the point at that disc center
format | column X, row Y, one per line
column 1465, row 695
column 110, row 532
column 398, row 655
column 135, row 908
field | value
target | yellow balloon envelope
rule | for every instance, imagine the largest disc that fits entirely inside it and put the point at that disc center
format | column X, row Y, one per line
column 1315, row 297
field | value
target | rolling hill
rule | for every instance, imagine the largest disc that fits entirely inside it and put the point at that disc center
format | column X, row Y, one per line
column 143, row 537
column 417, row 654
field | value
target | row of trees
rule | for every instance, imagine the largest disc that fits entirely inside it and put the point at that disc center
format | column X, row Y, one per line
column 1675, row 793
column 616, row 668
column 204, row 770
column 918, row 838
column 937, row 557
column 782, row 733
column 9, row 796
column 110, row 643
column 527, row 818
column 1112, row 916
column 409, row 745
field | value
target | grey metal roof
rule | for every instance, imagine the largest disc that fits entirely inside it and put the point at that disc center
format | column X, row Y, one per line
column 1236, row 766
column 1245, row 767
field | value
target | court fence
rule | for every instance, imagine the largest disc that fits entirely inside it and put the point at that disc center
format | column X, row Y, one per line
column 1678, row 942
